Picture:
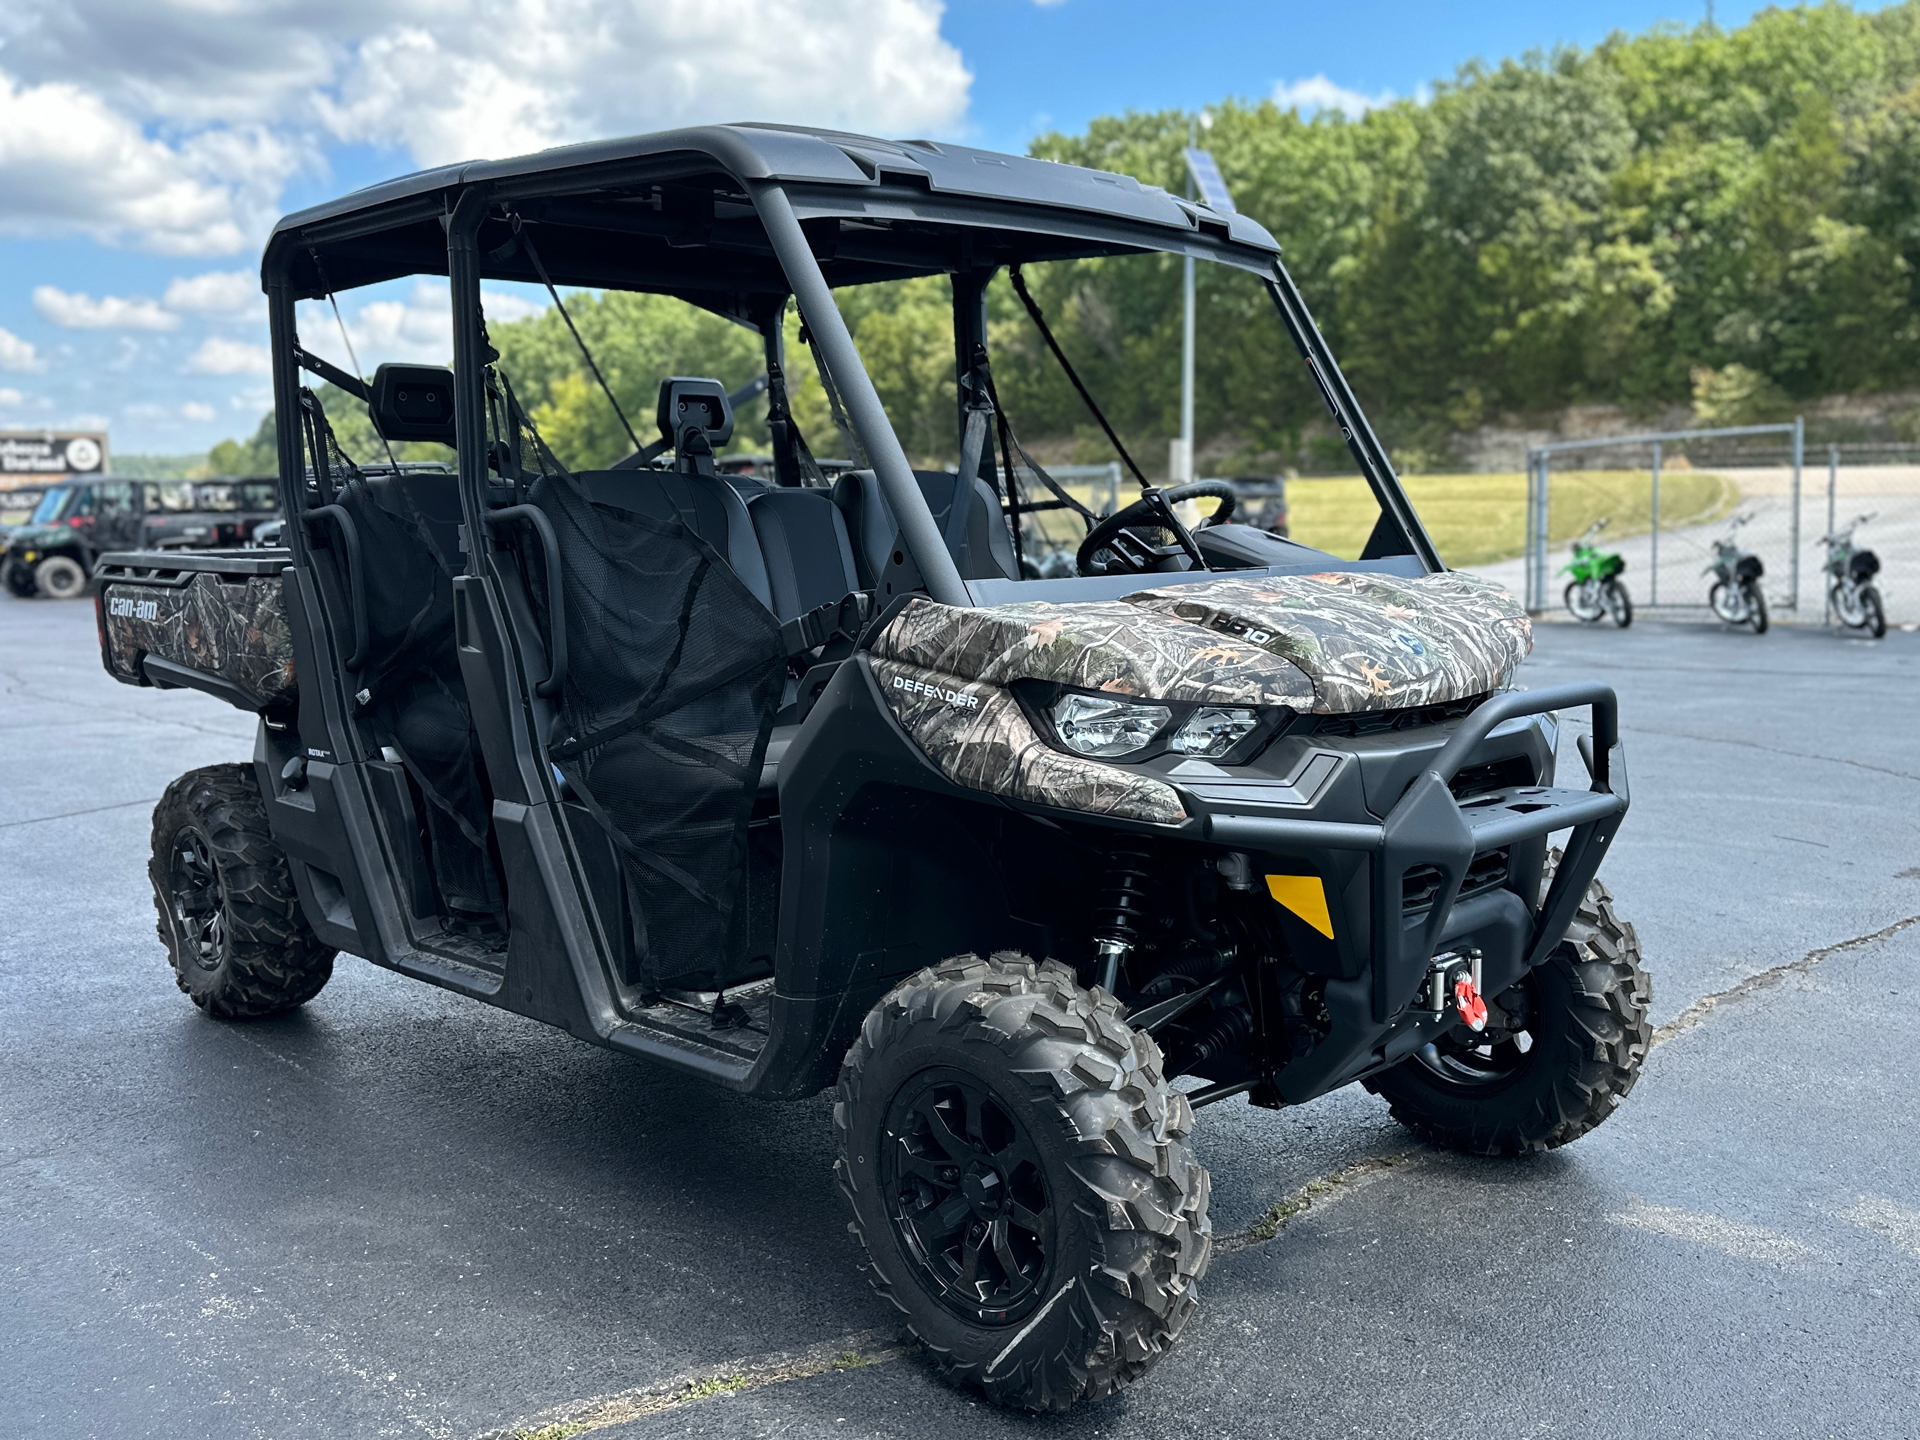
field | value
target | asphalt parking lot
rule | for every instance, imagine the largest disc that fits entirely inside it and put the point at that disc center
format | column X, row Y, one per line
column 398, row 1212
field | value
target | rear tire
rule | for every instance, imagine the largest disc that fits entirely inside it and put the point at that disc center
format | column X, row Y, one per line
column 60, row 577
column 1047, row 1246
column 1584, row 1009
column 1619, row 604
column 1875, row 612
column 228, row 915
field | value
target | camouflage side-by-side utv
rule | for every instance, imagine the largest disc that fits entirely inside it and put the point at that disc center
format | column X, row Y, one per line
column 793, row 781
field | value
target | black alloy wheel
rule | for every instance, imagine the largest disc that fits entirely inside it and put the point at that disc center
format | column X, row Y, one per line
column 967, row 1197
column 193, row 895
column 1491, row 1059
column 225, row 900
column 1021, row 1181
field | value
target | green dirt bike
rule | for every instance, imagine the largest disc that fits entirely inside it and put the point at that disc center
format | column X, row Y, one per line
column 1595, row 591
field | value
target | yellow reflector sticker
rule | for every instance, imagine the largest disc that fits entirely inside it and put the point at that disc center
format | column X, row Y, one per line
column 1306, row 897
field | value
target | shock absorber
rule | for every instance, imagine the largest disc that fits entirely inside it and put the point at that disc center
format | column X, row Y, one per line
column 1122, row 907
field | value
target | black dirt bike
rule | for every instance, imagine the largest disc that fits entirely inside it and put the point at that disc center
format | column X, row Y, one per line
column 1735, row 596
column 1850, row 589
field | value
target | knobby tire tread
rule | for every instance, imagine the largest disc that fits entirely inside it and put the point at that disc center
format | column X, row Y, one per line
column 1608, row 993
column 1142, row 1191
column 273, row 961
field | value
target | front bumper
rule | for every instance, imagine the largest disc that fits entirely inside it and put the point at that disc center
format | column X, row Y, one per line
column 1376, row 1020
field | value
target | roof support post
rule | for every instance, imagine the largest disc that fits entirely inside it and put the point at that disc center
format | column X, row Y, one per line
column 917, row 528
column 469, row 365
column 969, row 331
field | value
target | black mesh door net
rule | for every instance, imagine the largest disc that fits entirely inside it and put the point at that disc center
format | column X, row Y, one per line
column 672, row 680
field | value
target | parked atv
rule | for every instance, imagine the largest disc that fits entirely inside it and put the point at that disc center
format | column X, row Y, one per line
column 799, row 783
column 1596, row 590
column 54, row 552
column 1851, row 593
column 1735, row 594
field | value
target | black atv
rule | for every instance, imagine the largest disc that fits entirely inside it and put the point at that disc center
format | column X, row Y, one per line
column 55, row 550
column 794, row 782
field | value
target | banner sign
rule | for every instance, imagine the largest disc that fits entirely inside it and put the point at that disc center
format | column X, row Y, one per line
column 52, row 452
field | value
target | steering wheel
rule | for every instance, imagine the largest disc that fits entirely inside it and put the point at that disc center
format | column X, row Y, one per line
column 1130, row 553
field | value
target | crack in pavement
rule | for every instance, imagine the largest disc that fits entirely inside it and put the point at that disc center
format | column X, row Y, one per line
column 1688, row 1018
column 1577, row 726
column 1317, row 1194
column 1322, row 1190
column 69, row 814
column 849, row 1352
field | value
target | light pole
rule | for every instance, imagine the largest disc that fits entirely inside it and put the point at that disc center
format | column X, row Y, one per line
column 1182, row 466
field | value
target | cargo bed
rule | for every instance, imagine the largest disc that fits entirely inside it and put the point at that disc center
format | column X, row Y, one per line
column 209, row 620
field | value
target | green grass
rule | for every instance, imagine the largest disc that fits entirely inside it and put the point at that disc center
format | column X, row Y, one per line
column 1476, row 519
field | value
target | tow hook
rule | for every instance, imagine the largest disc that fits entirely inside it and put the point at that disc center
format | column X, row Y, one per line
column 1453, row 983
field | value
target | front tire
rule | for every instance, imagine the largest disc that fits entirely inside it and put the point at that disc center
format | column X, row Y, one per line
column 18, row 580
column 1582, row 604
column 1757, row 609
column 1020, row 1178
column 228, row 915
column 1576, row 1036
column 60, row 577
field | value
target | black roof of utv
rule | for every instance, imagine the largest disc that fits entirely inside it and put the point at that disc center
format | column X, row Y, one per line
column 672, row 212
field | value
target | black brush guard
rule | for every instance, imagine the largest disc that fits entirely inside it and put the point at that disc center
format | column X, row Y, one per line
column 1430, row 827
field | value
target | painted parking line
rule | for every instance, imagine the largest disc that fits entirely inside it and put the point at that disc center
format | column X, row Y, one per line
column 1735, row 1238
column 582, row 1417
column 1888, row 1219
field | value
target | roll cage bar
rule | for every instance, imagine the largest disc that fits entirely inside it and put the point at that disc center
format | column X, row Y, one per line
column 736, row 219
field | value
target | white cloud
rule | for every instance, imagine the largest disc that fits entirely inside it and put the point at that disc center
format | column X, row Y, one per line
column 439, row 81
column 175, row 126
column 220, row 356
column 70, row 163
column 18, row 354
column 194, row 410
column 218, row 292
column 12, row 399
column 1317, row 93
column 415, row 327
column 109, row 312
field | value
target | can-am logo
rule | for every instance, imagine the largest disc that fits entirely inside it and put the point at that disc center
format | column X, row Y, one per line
column 127, row 608
column 959, row 699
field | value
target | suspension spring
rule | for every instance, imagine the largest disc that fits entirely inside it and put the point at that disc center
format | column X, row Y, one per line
column 1120, row 913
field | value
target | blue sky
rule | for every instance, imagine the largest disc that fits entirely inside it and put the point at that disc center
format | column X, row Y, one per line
column 145, row 145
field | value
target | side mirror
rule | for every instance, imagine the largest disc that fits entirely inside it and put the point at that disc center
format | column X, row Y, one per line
column 413, row 402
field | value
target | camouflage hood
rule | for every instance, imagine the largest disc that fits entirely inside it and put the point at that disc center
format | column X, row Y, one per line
column 1367, row 642
column 1332, row 643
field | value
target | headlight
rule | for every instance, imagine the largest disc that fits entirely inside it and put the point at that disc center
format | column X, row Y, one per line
column 1211, row 733
column 1110, row 729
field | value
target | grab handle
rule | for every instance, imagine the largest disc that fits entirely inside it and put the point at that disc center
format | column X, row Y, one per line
column 356, row 575
column 556, row 595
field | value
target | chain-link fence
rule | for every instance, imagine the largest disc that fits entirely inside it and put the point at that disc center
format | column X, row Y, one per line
column 1739, row 482
column 1671, row 496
